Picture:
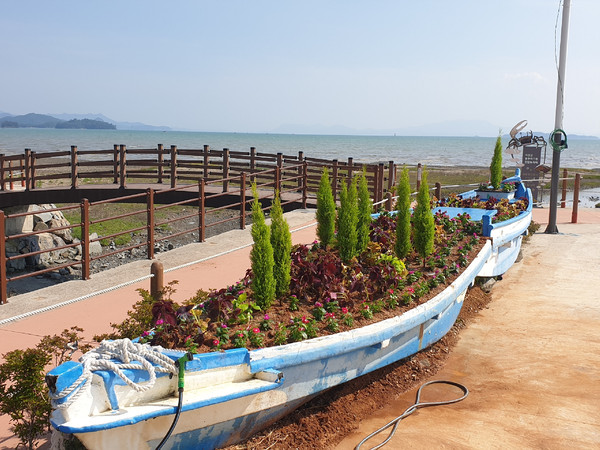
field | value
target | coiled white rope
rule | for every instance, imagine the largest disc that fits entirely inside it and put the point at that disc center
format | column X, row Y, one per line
column 123, row 350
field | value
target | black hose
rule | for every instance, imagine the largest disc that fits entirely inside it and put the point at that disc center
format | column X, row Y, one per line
column 168, row 435
column 412, row 409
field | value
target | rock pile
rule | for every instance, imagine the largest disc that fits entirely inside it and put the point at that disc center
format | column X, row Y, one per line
column 55, row 234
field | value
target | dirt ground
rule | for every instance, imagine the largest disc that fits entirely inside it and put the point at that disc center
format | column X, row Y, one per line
column 326, row 420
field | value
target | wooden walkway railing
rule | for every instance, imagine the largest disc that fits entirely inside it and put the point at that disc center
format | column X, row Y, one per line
column 205, row 175
column 121, row 165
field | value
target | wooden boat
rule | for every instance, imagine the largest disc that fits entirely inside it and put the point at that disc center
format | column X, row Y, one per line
column 232, row 394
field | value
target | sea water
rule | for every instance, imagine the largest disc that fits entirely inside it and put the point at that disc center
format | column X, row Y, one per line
column 434, row 151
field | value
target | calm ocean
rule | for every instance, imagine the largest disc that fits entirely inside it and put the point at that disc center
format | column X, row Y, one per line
column 435, row 151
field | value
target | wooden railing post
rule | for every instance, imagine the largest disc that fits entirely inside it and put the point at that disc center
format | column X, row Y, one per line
column 243, row 201
column 22, row 170
column 375, row 183
column 563, row 200
column 85, row 239
column 115, row 164
column 334, row 180
column 11, row 184
column 576, row 198
column 300, row 168
column 278, row 172
column 252, row 164
column 173, row 166
column 225, row 169
column 27, row 169
column 391, row 176
column 160, row 161
column 157, row 280
column 123, row 166
column 389, row 203
column 419, row 175
column 201, row 211
column 381, row 168
column 206, row 160
column 3, row 281
column 350, row 167
column 150, row 223
column 2, row 173
column 304, row 184
column 438, row 190
column 32, row 170
column 74, row 167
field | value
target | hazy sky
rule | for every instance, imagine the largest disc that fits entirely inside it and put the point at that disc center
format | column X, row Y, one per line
column 252, row 66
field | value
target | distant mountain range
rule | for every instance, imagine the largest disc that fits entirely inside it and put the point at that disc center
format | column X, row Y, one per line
column 89, row 121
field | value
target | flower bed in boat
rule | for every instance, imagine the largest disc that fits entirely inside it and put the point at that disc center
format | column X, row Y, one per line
column 326, row 295
column 505, row 208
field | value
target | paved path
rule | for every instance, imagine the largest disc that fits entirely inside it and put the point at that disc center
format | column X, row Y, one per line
column 531, row 360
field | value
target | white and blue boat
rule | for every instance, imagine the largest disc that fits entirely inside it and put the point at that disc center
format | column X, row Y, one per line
column 127, row 398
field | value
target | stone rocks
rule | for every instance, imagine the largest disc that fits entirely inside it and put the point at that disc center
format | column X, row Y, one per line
column 47, row 242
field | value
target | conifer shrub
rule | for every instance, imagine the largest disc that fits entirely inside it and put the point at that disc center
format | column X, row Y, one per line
column 496, row 165
column 347, row 222
column 325, row 210
column 261, row 257
column 281, row 241
column 424, row 225
column 364, row 214
column 403, row 245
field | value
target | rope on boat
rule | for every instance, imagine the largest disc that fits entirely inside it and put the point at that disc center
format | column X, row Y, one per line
column 411, row 409
column 149, row 357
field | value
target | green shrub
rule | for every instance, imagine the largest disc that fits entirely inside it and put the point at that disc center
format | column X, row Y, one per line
column 496, row 165
column 403, row 245
column 261, row 257
column 325, row 210
column 281, row 241
column 424, row 225
column 347, row 222
column 364, row 214
column 23, row 391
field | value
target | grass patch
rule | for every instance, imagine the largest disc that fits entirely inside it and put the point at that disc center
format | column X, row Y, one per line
column 123, row 224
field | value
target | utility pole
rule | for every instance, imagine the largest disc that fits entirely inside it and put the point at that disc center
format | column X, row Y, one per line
column 558, row 118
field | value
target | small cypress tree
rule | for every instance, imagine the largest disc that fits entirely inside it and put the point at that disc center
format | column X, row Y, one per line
column 496, row 165
column 403, row 245
column 347, row 221
column 325, row 210
column 281, row 240
column 261, row 256
column 423, row 221
column 364, row 214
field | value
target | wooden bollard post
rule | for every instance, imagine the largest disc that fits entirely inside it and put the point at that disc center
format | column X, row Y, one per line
column 438, row 190
column 576, row 198
column 160, row 162
column 157, row 280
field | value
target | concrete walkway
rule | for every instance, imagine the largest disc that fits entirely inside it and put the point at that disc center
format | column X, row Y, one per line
column 531, row 360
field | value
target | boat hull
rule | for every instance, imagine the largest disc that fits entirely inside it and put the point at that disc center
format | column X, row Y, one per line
column 223, row 414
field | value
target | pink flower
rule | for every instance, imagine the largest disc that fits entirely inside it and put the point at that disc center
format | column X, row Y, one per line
column 255, row 330
column 344, row 310
column 410, row 290
column 215, row 342
column 145, row 333
column 318, row 304
column 223, row 325
column 267, row 317
column 330, row 315
column 160, row 322
column 304, row 319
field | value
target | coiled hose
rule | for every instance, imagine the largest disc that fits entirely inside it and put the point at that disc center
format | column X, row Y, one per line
column 418, row 404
